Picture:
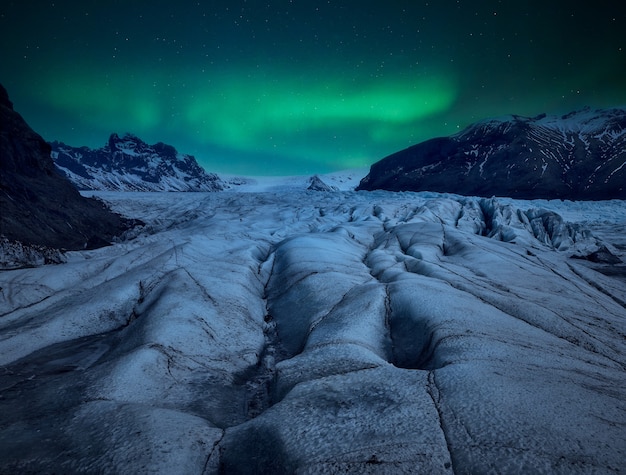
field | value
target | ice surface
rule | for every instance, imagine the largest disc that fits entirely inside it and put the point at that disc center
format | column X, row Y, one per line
column 322, row 332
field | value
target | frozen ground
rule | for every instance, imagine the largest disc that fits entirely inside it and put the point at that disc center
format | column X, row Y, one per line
column 308, row 332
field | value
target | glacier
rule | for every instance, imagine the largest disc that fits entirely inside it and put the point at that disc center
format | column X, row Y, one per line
column 322, row 332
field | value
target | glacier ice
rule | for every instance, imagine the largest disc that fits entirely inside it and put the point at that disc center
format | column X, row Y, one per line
column 314, row 332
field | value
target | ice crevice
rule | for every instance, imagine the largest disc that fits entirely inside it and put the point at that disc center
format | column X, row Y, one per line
column 212, row 463
column 597, row 285
column 542, row 314
column 260, row 385
column 435, row 395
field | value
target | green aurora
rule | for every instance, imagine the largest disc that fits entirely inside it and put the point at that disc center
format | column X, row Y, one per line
column 295, row 88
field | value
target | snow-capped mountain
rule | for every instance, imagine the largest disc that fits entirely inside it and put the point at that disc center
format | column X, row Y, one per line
column 317, row 184
column 311, row 332
column 578, row 156
column 128, row 164
column 344, row 180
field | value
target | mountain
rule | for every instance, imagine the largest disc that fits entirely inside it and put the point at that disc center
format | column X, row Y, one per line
column 300, row 332
column 38, row 206
column 578, row 156
column 128, row 164
column 344, row 180
column 317, row 184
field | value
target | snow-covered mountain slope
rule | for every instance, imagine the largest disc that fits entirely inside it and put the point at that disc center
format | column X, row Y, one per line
column 312, row 332
column 344, row 180
column 578, row 156
column 128, row 164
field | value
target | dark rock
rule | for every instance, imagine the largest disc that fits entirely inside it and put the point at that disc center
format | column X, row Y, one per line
column 579, row 156
column 15, row 255
column 601, row 256
column 38, row 206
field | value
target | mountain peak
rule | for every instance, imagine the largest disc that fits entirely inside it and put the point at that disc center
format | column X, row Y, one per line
column 577, row 156
column 127, row 163
column 4, row 98
column 125, row 137
column 127, row 143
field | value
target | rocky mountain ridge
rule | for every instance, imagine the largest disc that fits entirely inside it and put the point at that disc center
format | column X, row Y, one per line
column 578, row 156
column 127, row 163
column 40, row 208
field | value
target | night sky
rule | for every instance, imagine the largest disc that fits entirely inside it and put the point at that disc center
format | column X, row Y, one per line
column 300, row 87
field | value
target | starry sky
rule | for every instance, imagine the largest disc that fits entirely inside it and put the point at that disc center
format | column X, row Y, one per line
column 297, row 86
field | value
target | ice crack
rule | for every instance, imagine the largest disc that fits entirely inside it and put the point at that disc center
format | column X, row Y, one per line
column 433, row 391
column 259, row 387
column 209, row 465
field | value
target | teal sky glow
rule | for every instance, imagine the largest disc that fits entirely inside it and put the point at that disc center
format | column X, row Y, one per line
column 300, row 87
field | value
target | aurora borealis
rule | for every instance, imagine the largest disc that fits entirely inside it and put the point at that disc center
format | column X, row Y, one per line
column 298, row 87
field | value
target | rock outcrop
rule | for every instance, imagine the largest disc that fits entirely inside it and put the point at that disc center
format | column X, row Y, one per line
column 38, row 206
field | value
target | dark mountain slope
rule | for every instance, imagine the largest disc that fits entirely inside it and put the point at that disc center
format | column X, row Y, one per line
column 579, row 156
column 37, row 205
